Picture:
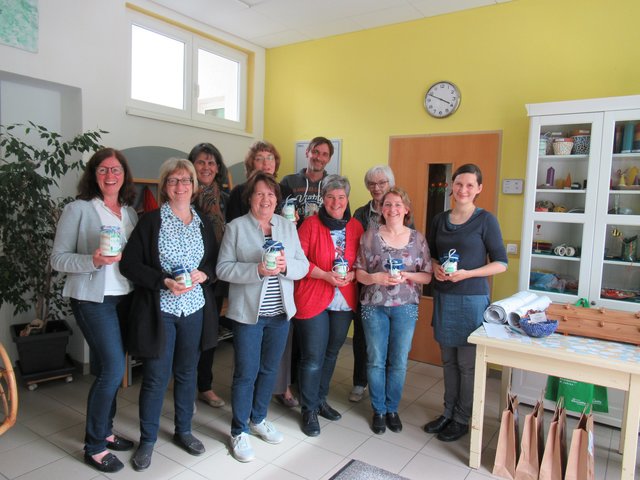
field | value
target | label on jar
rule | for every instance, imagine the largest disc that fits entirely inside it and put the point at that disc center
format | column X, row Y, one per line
column 110, row 240
column 182, row 276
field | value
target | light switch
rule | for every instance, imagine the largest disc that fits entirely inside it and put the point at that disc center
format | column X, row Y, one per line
column 512, row 186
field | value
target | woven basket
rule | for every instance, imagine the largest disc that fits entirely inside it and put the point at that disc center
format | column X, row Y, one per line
column 542, row 329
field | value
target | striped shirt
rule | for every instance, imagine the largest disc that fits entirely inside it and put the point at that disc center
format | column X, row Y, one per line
column 272, row 304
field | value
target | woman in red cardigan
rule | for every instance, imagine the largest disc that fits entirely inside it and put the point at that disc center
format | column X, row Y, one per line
column 326, row 298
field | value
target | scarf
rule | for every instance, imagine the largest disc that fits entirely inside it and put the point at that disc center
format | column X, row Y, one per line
column 333, row 223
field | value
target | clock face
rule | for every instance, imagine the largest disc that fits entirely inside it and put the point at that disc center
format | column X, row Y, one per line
column 442, row 99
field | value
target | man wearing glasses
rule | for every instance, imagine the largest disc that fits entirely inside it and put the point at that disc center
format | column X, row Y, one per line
column 307, row 183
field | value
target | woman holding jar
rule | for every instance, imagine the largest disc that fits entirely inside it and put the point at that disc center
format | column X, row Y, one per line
column 461, row 240
column 212, row 201
column 378, row 180
column 261, row 304
column 326, row 298
column 96, row 287
column 170, row 258
column 393, row 262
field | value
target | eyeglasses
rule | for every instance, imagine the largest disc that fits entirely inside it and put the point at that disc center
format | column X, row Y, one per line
column 265, row 158
column 184, row 181
column 113, row 170
column 371, row 185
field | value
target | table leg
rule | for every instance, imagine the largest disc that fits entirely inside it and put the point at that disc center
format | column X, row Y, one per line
column 629, row 433
column 477, row 419
column 505, row 386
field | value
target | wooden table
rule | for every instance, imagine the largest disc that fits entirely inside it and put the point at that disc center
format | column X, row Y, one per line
column 606, row 363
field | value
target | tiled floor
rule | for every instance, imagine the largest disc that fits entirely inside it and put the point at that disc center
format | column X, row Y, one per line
column 47, row 441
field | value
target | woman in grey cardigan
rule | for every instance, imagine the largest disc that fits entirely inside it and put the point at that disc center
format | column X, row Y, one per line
column 96, row 287
column 261, row 305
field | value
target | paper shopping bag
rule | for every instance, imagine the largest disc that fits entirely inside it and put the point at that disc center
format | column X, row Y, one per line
column 554, row 459
column 581, row 461
column 504, row 465
column 532, row 443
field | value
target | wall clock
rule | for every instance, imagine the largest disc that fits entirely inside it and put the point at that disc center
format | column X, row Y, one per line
column 442, row 99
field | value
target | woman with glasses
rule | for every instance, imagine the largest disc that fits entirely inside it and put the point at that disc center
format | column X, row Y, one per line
column 264, row 157
column 170, row 258
column 378, row 180
column 212, row 201
column 96, row 288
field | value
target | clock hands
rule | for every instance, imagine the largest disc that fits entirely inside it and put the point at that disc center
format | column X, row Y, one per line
column 441, row 99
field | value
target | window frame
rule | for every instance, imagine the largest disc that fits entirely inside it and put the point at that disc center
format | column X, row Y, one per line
column 193, row 40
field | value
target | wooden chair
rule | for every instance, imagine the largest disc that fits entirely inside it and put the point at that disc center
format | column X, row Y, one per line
column 8, row 391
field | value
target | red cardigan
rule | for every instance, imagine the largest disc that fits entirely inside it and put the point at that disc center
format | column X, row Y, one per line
column 313, row 295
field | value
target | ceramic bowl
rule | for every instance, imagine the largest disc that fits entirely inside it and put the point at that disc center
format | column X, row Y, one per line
column 581, row 144
column 562, row 147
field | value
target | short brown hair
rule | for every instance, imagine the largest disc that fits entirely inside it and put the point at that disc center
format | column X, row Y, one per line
column 319, row 141
column 260, row 176
column 408, row 218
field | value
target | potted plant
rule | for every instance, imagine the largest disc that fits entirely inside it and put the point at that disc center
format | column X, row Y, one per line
column 29, row 213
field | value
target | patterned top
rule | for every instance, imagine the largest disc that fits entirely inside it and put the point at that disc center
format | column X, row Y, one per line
column 272, row 302
column 373, row 255
column 213, row 202
column 339, row 240
column 180, row 245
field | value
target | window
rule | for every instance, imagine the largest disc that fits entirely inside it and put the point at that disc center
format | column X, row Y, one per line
column 180, row 76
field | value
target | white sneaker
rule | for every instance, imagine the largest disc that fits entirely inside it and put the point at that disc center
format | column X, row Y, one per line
column 241, row 446
column 266, row 431
column 357, row 392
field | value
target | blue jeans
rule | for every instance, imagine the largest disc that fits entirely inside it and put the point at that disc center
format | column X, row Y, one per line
column 257, row 352
column 180, row 356
column 320, row 339
column 388, row 331
column 100, row 327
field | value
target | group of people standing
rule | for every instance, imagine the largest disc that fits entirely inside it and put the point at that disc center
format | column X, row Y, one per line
column 160, row 298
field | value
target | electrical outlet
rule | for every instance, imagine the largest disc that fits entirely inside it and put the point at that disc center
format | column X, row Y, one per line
column 512, row 249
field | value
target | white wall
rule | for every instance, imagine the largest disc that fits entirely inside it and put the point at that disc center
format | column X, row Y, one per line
column 84, row 44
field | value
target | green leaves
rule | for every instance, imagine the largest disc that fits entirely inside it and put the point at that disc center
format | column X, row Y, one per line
column 29, row 213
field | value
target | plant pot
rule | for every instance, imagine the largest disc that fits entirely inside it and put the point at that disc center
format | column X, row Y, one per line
column 42, row 352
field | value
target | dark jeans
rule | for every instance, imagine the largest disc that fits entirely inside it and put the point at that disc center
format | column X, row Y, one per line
column 320, row 339
column 100, row 327
column 458, row 364
column 179, row 356
column 257, row 352
column 359, row 345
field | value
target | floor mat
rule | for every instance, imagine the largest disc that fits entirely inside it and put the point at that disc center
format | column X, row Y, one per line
column 357, row 470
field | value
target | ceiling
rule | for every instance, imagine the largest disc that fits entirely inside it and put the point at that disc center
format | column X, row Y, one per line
column 273, row 23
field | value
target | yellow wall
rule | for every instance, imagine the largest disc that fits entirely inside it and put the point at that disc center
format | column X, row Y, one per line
column 367, row 86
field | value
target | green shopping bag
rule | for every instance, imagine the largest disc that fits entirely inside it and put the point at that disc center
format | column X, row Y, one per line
column 577, row 394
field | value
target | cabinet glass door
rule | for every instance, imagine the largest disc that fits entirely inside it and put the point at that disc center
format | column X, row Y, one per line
column 564, row 153
column 616, row 280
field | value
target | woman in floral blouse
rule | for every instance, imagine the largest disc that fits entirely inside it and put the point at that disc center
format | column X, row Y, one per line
column 393, row 262
column 171, row 319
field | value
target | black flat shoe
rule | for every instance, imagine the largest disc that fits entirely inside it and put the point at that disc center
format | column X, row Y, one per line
column 329, row 413
column 453, row 432
column 393, row 422
column 310, row 425
column 189, row 443
column 142, row 458
column 120, row 444
column 378, row 424
column 437, row 425
column 108, row 464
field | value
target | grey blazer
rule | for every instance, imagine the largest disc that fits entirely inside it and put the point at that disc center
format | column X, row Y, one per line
column 77, row 237
column 240, row 253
